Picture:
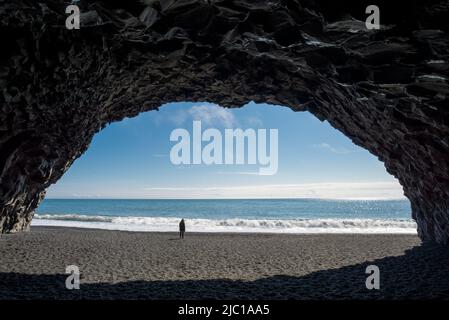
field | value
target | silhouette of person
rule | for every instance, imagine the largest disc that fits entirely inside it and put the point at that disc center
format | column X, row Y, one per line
column 182, row 229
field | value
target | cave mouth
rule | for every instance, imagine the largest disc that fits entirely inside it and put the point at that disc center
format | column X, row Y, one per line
column 127, row 180
column 386, row 89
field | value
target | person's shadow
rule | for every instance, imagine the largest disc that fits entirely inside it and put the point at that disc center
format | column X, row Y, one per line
column 422, row 272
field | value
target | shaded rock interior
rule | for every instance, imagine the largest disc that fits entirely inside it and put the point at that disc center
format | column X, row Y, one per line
column 387, row 89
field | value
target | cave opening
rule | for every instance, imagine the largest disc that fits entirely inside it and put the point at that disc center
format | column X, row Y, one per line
column 323, row 182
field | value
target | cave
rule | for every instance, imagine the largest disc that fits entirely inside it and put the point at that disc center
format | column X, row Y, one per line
column 386, row 89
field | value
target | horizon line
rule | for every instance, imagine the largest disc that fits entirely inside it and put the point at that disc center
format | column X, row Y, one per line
column 286, row 198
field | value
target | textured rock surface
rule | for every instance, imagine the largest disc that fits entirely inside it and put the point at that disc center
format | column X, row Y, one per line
column 385, row 89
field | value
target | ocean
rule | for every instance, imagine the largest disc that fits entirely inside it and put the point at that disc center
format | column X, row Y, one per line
column 231, row 215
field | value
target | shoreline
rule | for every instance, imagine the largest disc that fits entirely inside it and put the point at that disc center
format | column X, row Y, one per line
column 223, row 233
column 157, row 265
column 233, row 225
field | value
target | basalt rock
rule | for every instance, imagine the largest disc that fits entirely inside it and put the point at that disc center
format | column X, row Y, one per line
column 387, row 89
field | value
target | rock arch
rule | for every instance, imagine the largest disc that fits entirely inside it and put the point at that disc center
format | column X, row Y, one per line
column 385, row 89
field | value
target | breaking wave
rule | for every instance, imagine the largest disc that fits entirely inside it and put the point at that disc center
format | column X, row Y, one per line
column 160, row 224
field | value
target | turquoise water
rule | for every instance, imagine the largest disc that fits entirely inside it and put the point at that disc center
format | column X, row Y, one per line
column 255, row 215
column 222, row 209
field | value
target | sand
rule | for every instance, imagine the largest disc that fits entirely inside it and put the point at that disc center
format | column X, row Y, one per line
column 138, row 265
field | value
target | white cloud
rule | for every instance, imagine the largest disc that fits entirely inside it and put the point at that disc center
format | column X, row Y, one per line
column 254, row 121
column 331, row 190
column 213, row 115
column 210, row 115
column 332, row 149
column 159, row 155
column 256, row 173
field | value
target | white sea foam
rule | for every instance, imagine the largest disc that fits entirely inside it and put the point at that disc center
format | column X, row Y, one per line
column 404, row 226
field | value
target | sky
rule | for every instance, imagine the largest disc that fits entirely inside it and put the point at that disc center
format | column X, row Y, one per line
column 131, row 159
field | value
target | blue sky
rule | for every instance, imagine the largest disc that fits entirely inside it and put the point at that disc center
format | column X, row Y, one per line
column 130, row 159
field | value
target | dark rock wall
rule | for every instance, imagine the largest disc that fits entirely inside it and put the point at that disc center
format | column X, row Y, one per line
column 385, row 89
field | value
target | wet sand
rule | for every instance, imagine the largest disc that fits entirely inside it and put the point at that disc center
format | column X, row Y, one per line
column 138, row 265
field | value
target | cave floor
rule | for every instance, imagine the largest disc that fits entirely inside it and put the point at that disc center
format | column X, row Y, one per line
column 135, row 265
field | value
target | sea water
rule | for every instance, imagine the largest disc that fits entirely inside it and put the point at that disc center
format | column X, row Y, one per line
column 231, row 215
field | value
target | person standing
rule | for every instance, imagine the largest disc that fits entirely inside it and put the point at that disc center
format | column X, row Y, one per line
column 182, row 229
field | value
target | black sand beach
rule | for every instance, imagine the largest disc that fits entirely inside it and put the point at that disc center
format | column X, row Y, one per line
column 134, row 265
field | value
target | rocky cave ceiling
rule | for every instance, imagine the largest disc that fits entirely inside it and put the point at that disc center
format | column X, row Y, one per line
column 387, row 89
